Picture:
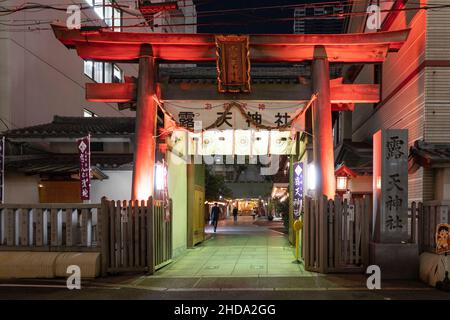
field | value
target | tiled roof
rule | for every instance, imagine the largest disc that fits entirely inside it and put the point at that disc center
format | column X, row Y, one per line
column 259, row 74
column 358, row 156
column 67, row 163
column 428, row 155
column 77, row 127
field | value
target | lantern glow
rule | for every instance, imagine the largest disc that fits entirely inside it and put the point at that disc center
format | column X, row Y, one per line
column 341, row 183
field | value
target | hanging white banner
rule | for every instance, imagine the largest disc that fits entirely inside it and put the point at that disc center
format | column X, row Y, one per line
column 232, row 142
column 222, row 114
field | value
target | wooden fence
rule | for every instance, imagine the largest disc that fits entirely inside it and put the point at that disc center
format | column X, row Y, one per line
column 430, row 214
column 139, row 233
column 131, row 235
column 336, row 234
column 49, row 227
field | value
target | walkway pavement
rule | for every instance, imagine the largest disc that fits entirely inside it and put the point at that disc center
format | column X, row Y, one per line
column 238, row 249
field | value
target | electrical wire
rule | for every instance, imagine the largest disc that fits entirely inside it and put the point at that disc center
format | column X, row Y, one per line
column 221, row 12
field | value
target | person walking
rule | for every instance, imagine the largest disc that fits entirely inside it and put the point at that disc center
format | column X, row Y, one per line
column 215, row 212
column 235, row 214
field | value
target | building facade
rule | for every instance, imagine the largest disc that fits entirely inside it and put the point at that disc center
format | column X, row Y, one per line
column 329, row 22
column 414, row 93
column 42, row 85
column 39, row 78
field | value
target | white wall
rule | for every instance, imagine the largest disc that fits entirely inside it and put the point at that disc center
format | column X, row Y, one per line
column 117, row 187
column 403, row 108
column 24, row 189
column 178, row 192
column 39, row 77
column 442, row 184
column 21, row 189
column 362, row 184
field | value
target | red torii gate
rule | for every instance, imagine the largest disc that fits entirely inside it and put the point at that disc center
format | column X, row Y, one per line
column 145, row 48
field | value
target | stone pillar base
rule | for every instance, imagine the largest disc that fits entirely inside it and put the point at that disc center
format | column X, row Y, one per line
column 396, row 261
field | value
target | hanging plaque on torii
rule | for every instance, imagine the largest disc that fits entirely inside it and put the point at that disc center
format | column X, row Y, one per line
column 233, row 63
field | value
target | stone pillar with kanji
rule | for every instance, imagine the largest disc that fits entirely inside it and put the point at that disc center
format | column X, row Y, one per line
column 390, row 235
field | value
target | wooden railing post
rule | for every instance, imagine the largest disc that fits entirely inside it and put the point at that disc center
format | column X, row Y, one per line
column 323, row 234
column 150, row 237
column 24, row 227
column 55, row 228
column 130, row 214
column 413, row 222
column 103, row 227
column 118, row 240
column 365, row 230
column 337, row 230
column 330, row 232
column 136, row 233
column 10, row 227
column 420, row 225
column 306, row 233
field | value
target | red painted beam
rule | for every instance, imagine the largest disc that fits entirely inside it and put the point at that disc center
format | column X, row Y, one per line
column 355, row 93
column 342, row 107
column 110, row 92
column 125, row 46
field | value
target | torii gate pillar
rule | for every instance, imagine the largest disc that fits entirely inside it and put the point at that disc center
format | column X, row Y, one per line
column 322, row 125
column 146, row 115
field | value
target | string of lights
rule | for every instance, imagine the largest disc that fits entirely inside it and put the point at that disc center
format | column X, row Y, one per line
column 85, row 6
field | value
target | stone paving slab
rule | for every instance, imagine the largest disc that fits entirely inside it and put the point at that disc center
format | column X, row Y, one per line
column 247, row 257
column 241, row 249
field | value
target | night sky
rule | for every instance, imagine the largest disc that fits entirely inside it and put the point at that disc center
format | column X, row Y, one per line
column 248, row 22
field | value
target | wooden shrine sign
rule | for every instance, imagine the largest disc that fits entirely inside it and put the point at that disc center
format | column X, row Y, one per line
column 233, row 63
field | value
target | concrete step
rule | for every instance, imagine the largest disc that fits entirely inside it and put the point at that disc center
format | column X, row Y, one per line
column 30, row 264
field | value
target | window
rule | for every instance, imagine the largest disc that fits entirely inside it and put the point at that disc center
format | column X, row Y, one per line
column 103, row 72
column 98, row 8
column 117, row 20
column 108, row 72
column 105, row 10
column 89, row 68
column 118, row 75
column 88, row 114
column 98, row 71
column 108, row 13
